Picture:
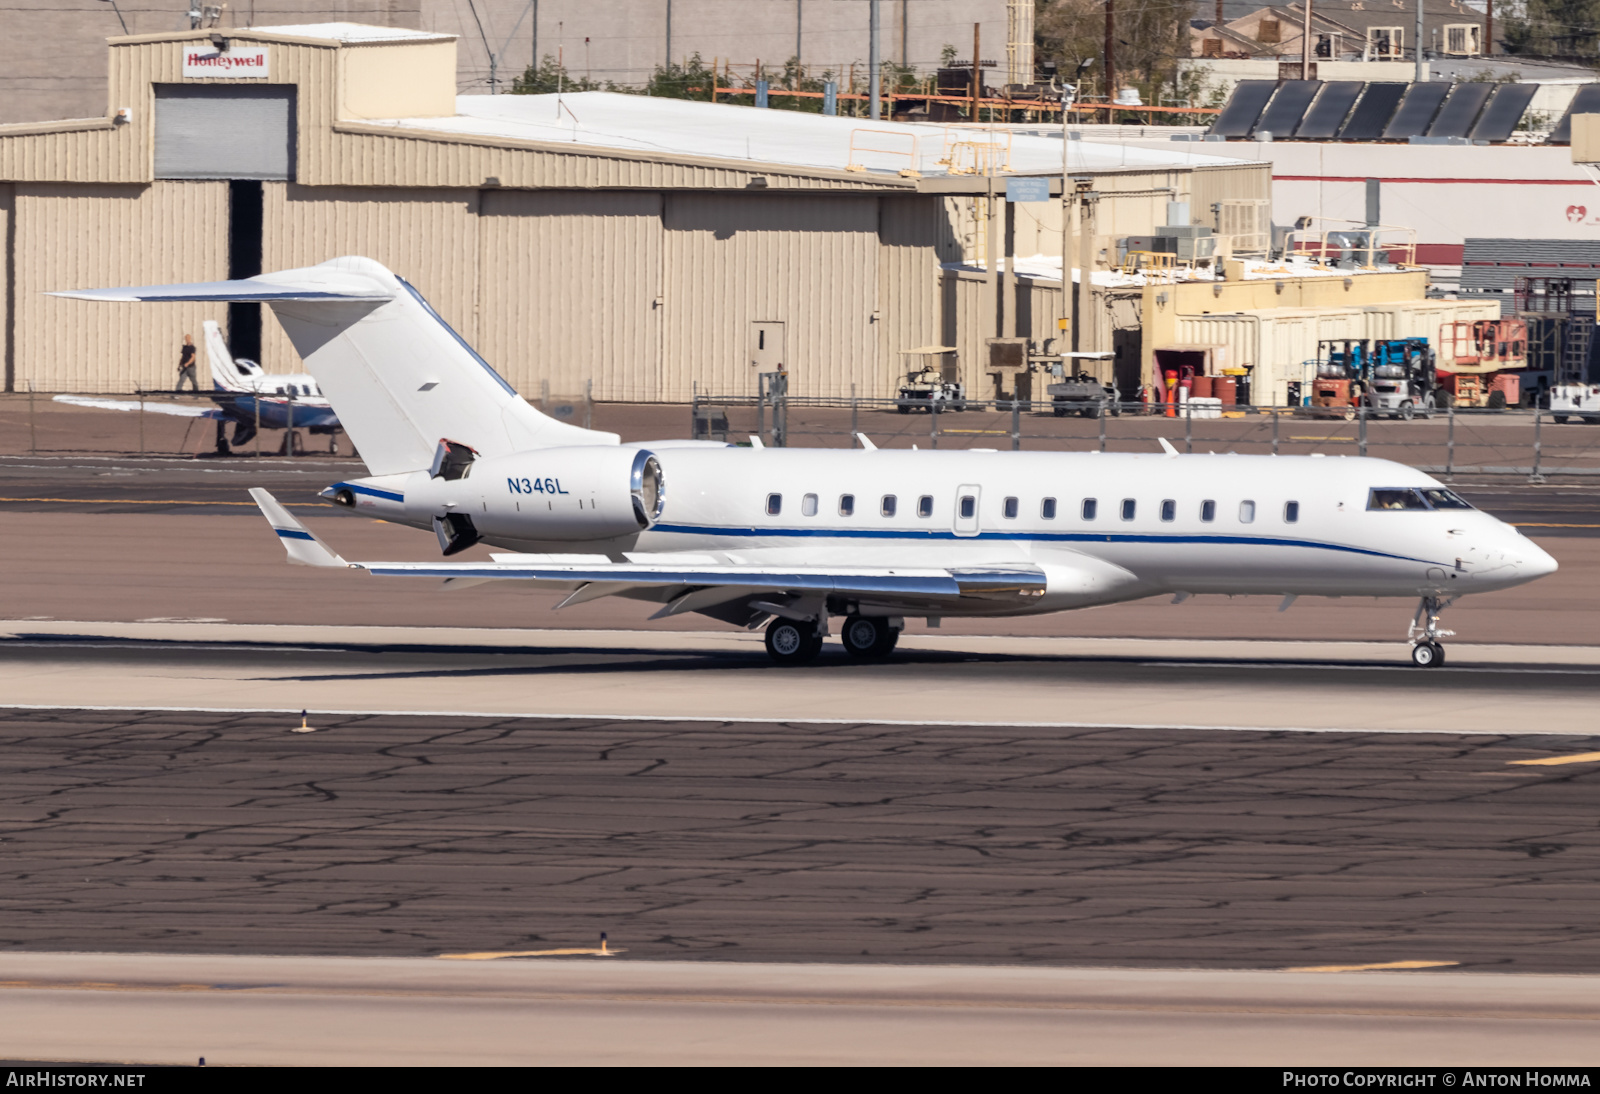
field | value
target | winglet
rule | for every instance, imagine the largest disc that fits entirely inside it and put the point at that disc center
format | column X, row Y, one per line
column 866, row 442
column 1166, row 446
column 304, row 548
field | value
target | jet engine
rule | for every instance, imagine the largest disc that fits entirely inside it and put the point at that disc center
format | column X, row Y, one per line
column 551, row 494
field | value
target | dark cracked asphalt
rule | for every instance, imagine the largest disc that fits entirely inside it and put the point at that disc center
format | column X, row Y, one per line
column 383, row 835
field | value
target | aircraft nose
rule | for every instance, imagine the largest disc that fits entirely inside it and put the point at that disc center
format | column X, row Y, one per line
column 1533, row 561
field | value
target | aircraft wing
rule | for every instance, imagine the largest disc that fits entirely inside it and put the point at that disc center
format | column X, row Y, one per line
column 177, row 409
column 316, row 284
column 684, row 588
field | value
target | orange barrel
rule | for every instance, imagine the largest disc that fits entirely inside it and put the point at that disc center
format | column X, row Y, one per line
column 1200, row 387
column 1225, row 388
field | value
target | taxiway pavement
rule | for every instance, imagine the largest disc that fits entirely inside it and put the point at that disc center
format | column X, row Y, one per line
column 394, row 1012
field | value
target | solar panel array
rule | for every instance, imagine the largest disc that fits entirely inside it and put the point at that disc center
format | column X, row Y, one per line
column 1287, row 107
column 1460, row 110
column 1328, row 112
column 1244, row 106
column 1416, row 111
column 1373, row 112
column 1504, row 111
column 1351, row 110
column 1586, row 101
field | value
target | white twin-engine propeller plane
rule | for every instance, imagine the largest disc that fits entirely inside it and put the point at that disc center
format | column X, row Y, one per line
column 795, row 538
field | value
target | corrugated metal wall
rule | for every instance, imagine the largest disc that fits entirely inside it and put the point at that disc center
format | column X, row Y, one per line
column 1208, row 185
column 73, row 237
column 810, row 263
column 908, row 288
column 429, row 237
column 571, row 290
column 7, row 333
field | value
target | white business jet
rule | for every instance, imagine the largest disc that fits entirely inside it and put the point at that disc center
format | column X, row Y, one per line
column 797, row 538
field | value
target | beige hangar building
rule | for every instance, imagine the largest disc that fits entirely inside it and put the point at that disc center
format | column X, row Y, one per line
column 646, row 247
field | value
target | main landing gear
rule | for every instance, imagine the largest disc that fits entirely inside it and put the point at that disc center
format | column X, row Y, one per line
column 797, row 642
column 1426, row 650
column 793, row 641
column 868, row 636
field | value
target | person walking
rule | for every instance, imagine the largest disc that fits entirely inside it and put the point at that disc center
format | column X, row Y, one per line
column 186, row 365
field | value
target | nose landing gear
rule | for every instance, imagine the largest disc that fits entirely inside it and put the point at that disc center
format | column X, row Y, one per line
column 1426, row 650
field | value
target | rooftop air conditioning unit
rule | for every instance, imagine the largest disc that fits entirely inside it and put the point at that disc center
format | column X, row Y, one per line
column 1463, row 39
column 1386, row 43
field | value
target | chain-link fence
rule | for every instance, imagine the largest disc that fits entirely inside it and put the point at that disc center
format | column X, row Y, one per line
column 1530, row 443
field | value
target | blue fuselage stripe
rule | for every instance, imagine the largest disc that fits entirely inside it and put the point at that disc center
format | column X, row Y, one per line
column 357, row 488
column 1035, row 537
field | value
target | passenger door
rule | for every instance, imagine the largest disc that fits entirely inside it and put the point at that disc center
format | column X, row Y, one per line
column 969, row 503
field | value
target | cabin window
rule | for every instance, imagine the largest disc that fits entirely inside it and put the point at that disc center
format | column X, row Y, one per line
column 1208, row 511
column 925, row 505
column 1247, row 512
column 1047, row 509
column 808, row 505
column 1129, row 508
column 1169, row 510
column 1090, row 507
column 1440, row 498
column 1009, row 509
column 969, row 507
column 1291, row 512
column 847, row 505
column 887, row 507
column 1396, row 498
column 774, row 504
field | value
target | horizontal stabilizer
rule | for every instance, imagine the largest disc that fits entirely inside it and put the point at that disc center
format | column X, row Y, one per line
column 312, row 284
column 304, row 548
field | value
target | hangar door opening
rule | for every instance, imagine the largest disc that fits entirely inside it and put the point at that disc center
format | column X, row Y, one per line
column 244, row 135
column 213, row 131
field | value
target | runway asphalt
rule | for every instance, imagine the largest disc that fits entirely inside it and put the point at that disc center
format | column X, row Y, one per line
column 378, row 835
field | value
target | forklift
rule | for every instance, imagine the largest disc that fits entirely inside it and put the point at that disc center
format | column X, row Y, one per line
column 1336, row 391
column 1401, row 380
column 1390, row 376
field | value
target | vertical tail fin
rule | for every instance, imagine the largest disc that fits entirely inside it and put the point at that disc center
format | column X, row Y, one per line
column 400, row 379
column 223, row 371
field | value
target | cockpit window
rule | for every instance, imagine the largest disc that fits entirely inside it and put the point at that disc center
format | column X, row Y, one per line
column 1395, row 498
column 1440, row 498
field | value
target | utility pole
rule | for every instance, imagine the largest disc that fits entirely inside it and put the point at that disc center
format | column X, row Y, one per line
column 669, row 35
column 873, row 74
column 1417, row 49
column 1305, row 44
column 977, row 74
column 1218, row 23
column 1111, row 53
column 1488, row 31
column 799, row 33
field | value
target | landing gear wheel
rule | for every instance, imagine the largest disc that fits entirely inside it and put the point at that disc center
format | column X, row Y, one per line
column 793, row 643
column 1427, row 655
column 868, row 636
column 1425, row 632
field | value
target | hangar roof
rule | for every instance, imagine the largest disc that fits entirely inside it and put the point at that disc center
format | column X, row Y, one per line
column 680, row 127
column 350, row 33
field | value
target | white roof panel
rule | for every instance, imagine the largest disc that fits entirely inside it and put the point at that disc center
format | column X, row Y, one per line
column 680, row 127
column 351, row 32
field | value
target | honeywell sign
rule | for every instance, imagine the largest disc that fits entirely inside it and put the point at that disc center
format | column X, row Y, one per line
column 239, row 62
